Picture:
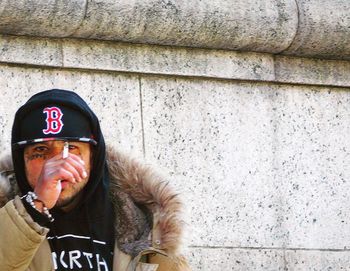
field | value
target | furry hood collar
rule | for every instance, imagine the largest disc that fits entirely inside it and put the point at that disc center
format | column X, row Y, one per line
column 143, row 202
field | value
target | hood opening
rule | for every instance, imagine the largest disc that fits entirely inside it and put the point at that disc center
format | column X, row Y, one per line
column 73, row 102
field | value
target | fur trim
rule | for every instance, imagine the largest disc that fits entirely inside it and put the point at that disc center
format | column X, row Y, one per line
column 147, row 188
column 5, row 190
column 6, row 179
column 138, row 193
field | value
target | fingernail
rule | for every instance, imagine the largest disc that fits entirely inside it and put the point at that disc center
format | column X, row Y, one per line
column 74, row 180
column 84, row 174
column 82, row 161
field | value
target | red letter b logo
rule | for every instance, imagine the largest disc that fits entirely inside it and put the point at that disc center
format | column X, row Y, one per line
column 53, row 120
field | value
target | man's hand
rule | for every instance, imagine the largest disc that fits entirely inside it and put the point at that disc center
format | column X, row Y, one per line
column 55, row 175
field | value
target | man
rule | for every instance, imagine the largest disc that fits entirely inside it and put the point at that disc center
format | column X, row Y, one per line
column 67, row 204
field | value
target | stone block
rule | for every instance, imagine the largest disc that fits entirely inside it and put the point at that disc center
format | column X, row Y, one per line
column 264, row 26
column 33, row 51
column 302, row 260
column 166, row 60
column 244, row 24
column 46, row 18
column 312, row 161
column 312, row 71
column 313, row 28
column 323, row 29
column 207, row 259
column 217, row 140
column 114, row 98
column 260, row 165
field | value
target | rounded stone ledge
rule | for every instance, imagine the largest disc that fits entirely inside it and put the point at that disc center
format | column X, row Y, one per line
column 240, row 25
column 324, row 30
column 311, row 28
column 48, row 18
column 250, row 25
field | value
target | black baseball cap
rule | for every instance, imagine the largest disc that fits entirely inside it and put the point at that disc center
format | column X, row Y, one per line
column 54, row 121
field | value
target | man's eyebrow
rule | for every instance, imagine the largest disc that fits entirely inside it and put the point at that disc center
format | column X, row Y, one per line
column 41, row 143
column 38, row 144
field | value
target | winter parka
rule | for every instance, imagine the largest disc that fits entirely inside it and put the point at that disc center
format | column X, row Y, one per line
column 23, row 244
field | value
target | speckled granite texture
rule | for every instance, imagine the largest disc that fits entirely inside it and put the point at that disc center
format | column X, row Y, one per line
column 243, row 24
column 165, row 60
column 324, row 29
column 317, row 260
column 263, row 167
column 269, row 260
column 267, row 163
column 315, row 28
column 257, row 143
column 237, row 259
column 114, row 97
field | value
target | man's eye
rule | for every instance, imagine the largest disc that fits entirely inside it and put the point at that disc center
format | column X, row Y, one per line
column 40, row 149
column 72, row 147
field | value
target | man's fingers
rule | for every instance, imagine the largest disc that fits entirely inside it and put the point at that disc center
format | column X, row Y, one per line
column 61, row 174
column 68, row 166
column 78, row 165
column 58, row 157
column 77, row 158
column 73, row 163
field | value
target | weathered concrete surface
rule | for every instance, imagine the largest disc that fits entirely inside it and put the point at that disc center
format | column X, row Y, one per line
column 263, row 167
column 239, row 25
column 32, row 51
column 324, row 29
column 302, row 260
column 126, row 57
column 210, row 259
column 266, row 164
column 300, row 70
column 267, row 259
column 296, row 27
column 114, row 97
column 165, row 60
column 50, row 18
column 267, row 26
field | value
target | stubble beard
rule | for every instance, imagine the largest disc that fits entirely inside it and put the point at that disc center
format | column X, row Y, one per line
column 72, row 198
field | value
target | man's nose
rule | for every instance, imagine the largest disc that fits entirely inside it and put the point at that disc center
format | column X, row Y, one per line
column 57, row 150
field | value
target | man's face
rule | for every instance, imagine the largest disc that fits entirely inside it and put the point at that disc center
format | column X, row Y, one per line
column 36, row 155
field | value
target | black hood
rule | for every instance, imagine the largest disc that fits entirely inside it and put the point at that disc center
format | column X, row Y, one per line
column 73, row 102
column 93, row 217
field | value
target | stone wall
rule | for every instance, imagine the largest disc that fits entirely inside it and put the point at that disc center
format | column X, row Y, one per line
column 256, row 140
column 317, row 28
